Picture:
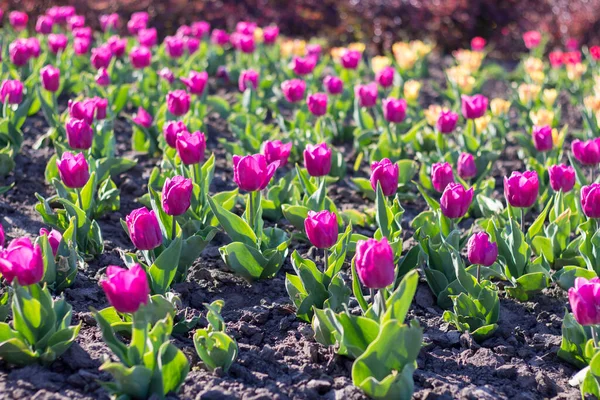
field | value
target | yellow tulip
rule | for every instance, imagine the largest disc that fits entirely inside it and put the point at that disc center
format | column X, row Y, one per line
column 411, row 90
column 542, row 117
column 380, row 62
column 549, row 97
column 528, row 92
column 432, row 114
column 482, row 123
column 499, row 106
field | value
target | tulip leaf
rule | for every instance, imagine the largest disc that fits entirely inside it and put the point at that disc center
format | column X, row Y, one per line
column 16, row 351
column 357, row 289
column 430, row 201
column 538, row 224
column 133, row 381
column 356, row 333
column 235, row 227
column 246, row 261
column 171, row 370
column 399, row 302
column 323, row 324
column 164, row 269
column 295, row 215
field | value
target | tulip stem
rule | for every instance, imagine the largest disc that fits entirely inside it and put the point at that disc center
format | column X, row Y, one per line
column 173, row 228
column 594, row 335
column 250, row 210
column 325, row 257
column 382, row 297
column 478, row 273
column 79, row 198
column 523, row 220
column 372, row 295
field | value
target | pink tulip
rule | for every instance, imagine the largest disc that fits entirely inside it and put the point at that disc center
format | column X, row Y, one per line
column 588, row 152
column 75, row 21
column 455, row 201
column 556, row 58
column 478, row 43
column 303, row 65
column 171, row 130
column 19, row 53
column 134, row 25
column 562, row 177
column 184, row 31
column 147, row 37
column 314, row 50
column 277, row 151
column 73, row 170
column 144, row 229
column 293, row 90
column 473, row 106
column 118, row 46
column 246, row 44
column 595, row 52
column 102, row 78
column 83, row 33
column 18, row 20
column 321, row 228
column 84, row 110
column 466, row 167
column 101, row 57
column 542, row 138
column 572, row 57
column 572, row 44
column 196, row 82
column 177, row 195
column 191, row 147
column 248, row 79
column 446, row 122
column 219, row 37
column 79, row 134
column 200, row 29
column 81, row 46
column 33, row 44
column 584, row 299
column 317, row 104
column 385, row 77
column 441, row 176
column 366, row 94
column 11, row 91
column 178, row 102
column 532, row 39
column 191, row 44
column 140, row 57
column 126, row 289
column 394, row 110
column 174, row 46
column 100, row 105
column 57, row 42
column 590, row 200
column 350, row 59
column 375, row 263
column 22, row 260
column 252, row 173
column 166, row 74
column 44, row 24
column 270, row 34
column 245, row 27
column 317, row 159
column 143, row 118
column 481, row 251
column 110, row 22
column 521, row 189
column 54, row 239
column 333, row 84
column 385, row 173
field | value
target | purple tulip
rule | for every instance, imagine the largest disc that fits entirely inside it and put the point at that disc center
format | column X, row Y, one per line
column 140, row 57
column 245, row 27
column 174, row 46
column 248, row 79
column 54, row 239
column 270, row 34
column 144, row 229
column 219, row 37
column 277, row 151
column 317, row 159
column 252, row 173
column 562, row 177
column 101, row 57
column 11, row 91
column 473, row 106
column 394, row 110
column 147, row 37
column 441, row 176
column 143, row 118
column 166, row 74
column 22, row 260
column 178, row 102
column 126, row 289
column 44, row 24
column 542, row 138
column 196, row 82
column 314, row 50
column 587, row 153
column 333, row 84
column 385, row 77
column 446, row 122
column 102, row 78
column 73, row 170
column 481, row 251
column 455, row 201
column 191, row 147
column 82, row 110
column 110, row 22
column 590, row 200
column 171, row 130
column 303, row 65
column 100, row 105
column 375, row 263
column 584, row 299
column 83, row 33
column 350, row 58
column 19, row 52
column 385, row 173
column 466, row 167
column 191, row 44
column 118, row 46
column 246, row 44
column 50, row 77
column 317, row 104
column 200, row 29
column 18, row 20
column 367, row 94
column 135, row 25
column 521, row 189
column 79, row 134
column 81, row 46
column 76, row 21
column 33, row 44
column 177, row 195
column 321, row 228
column 293, row 90
column 57, row 42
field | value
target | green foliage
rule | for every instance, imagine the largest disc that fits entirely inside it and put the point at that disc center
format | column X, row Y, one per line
column 215, row 348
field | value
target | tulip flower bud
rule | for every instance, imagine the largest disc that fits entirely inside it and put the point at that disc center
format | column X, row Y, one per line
column 385, row 77
column 303, row 65
column 314, row 50
column 200, row 29
column 595, row 52
column 394, row 110
column 147, row 37
column 191, row 44
column 588, row 152
column 178, row 102
column 367, row 94
column 19, row 52
column 293, row 90
column 196, row 82
column 532, row 39
column 33, row 45
column 521, row 189
column 166, row 74
column 473, row 106
column 455, row 201
column 73, row 170
column 385, row 173
column 140, row 57
column 375, row 263
column 18, row 20
column 590, row 200
column 101, row 57
column 333, row 84
column 102, row 77
column 219, row 37
column 562, row 177
column 184, row 31
column 441, row 176
column 252, row 173
column 245, row 27
column 481, row 251
column 317, row 104
column 81, row 46
column 83, row 33
column 321, row 228
column 542, row 138
column 82, row 110
column 54, row 239
column 350, row 58
column 23, row 261
column 317, row 159
column 556, row 58
column 118, row 45
column 100, row 105
column 57, row 42
column 143, row 118
column 478, row 43
column 75, row 21
column 171, row 130
column 44, row 24
column 50, row 77
column 247, row 44
column 126, row 289
column 79, row 134
column 11, row 91
column 277, row 151
column 584, row 298
column 144, row 229
column 177, row 195
column 466, row 167
column 191, row 147
column 136, row 24
column 248, row 79
column 174, row 46
column 110, row 22
column 270, row 34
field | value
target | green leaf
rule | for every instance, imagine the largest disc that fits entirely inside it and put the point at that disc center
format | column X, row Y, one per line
column 173, row 367
column 246, row 261
column 356, row 333
column 134, row 381
column 357, row 289
column 163, row 271
column 237, row 229
column 399, row 302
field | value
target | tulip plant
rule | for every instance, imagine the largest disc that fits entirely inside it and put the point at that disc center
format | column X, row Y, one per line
column 215, row 348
